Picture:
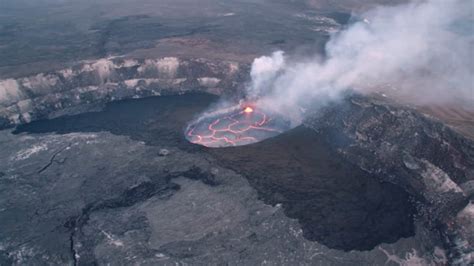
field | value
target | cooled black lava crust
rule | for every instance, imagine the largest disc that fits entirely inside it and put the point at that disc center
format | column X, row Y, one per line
column 336, row 202
column 235, row 126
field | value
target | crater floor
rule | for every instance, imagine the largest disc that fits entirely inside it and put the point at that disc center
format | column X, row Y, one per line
column 93, row 188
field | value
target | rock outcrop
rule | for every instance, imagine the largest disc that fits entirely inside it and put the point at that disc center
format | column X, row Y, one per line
column 426, row 158
column 47, row 95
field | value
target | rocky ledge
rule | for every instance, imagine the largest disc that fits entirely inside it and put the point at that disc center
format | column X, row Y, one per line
column 82, row 86
column 424, row 157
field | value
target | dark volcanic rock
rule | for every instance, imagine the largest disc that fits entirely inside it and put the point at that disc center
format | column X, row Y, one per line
column 162, row 189
column 336, row 203
column 398, row 145
column 158, row 121
column 103, row 197
column 4, row 122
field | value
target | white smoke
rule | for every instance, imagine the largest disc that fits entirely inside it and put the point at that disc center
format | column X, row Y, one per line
column 421, row 52
column 264, row 71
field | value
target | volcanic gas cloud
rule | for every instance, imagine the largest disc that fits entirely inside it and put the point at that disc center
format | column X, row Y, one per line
column 421, row 49
column 237, row 125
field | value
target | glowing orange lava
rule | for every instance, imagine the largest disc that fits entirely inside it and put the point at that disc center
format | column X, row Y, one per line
column 239, row 127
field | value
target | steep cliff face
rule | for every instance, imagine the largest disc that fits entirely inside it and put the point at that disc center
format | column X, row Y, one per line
column 41, row 96
column 399, row 145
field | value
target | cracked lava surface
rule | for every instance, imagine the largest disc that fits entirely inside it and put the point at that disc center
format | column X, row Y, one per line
column 235, row 127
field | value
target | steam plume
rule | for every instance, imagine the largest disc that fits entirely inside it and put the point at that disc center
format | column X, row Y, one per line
column 421, row 52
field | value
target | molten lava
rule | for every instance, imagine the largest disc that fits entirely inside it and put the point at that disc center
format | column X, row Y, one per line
column 248, row 109
column 235, row 127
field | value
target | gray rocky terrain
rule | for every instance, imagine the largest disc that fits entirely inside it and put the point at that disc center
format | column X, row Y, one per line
column 98, row 197
column 47, row 95
column 95, row 169
column 403, row 147
column 112, row 207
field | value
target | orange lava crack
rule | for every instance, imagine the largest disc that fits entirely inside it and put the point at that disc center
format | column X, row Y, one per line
column 214, row 138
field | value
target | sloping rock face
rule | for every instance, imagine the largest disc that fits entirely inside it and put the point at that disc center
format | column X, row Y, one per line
column 47, row 95
column 430, row 161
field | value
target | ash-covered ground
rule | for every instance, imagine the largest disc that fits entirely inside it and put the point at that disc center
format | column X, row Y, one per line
column 95, row 168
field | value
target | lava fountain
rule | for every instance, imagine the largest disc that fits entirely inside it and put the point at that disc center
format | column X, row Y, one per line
column 237, row 125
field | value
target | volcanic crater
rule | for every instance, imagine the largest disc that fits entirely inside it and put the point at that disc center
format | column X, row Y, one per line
column 336, row 202
column 123, row 153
